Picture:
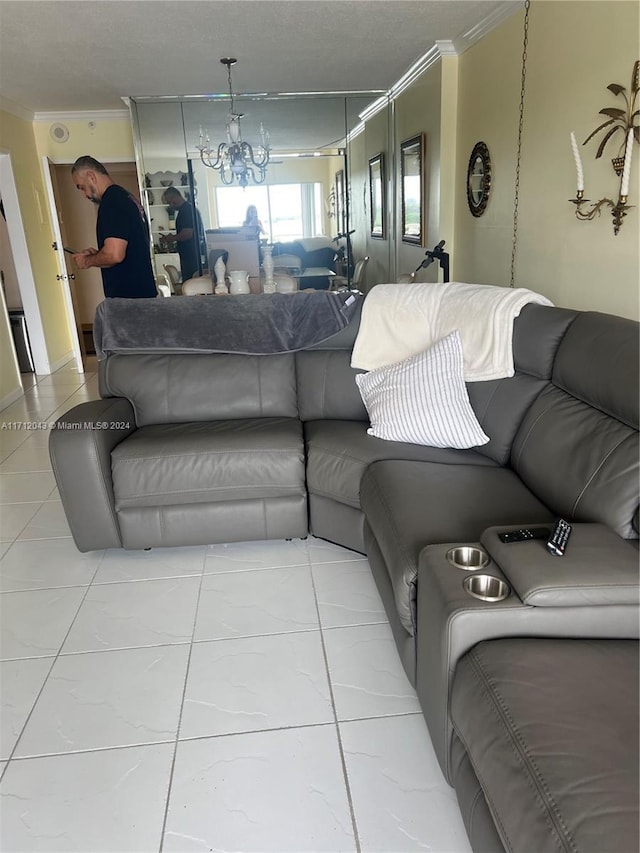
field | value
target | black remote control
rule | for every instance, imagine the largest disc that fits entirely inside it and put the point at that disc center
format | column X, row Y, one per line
column 557, row 543
column 523, row 534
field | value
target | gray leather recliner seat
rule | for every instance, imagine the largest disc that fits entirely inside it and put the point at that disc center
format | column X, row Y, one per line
column 551, row 730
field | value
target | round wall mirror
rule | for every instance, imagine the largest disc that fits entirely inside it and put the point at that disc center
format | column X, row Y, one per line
column 478, row 179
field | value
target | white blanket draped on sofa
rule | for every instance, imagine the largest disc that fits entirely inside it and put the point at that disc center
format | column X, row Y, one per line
column 399, row 321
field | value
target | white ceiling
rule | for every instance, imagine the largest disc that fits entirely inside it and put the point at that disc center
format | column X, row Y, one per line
column 68, row 55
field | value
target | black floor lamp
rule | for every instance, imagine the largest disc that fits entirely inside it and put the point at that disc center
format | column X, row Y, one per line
column 436, row 254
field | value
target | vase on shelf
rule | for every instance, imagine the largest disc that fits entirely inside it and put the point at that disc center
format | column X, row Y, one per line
column 269, row 285
column 219, row 270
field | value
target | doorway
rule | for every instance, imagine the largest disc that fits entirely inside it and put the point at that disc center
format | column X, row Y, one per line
column 31, row 321
column 77, row 221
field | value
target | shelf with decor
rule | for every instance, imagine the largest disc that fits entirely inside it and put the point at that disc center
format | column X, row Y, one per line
column 154, row 195
column 162, row 217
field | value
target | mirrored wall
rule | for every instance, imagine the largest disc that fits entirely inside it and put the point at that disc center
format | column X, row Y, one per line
column 316, row 187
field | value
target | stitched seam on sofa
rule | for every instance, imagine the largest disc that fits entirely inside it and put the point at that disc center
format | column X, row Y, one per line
column 232, row 486
column 595, row 472
column 264, row 518
column 315, row 446
column 502, row 831
column 525, row 439
column 383, row 500
column 473, row 806
column 614, row 415
column 486, row 407
column 460, row 614
column 323, row 390
column 596, row 588
column 535, row 779
column 186, row 455
column 109, row 502
column 296, row 384
column 260, row 400
column 333, row 452
column 160, row 513
column 340, row 498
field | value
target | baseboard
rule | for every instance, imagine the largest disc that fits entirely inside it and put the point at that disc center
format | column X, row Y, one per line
column 61, row 362
column 5, row 402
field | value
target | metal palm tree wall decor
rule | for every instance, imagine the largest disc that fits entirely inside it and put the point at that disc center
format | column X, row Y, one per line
column 625, row 121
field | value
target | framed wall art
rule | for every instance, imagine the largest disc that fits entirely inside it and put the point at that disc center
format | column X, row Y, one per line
column 378, row 214
column 412, row 203
column 478, row 179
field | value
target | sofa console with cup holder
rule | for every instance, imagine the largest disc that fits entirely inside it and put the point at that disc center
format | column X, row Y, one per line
column 523, row 661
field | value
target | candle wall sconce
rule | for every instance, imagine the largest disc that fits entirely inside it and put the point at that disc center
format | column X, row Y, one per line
column 619, row 121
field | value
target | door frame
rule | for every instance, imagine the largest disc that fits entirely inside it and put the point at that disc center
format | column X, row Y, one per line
column 24, row 271
column 63, row 273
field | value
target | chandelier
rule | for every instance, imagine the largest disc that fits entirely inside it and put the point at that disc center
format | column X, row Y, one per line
column 236, row 159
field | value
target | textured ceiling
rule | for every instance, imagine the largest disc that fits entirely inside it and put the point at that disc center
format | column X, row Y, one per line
column 66, row 55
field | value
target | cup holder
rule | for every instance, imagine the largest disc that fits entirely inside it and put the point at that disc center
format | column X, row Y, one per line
column 487, row 587
column 468, row 557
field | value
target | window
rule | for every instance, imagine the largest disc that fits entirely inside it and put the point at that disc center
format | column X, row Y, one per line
column 287, row 211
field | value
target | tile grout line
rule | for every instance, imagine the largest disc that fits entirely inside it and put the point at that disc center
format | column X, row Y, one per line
column 176, row 742
column 53, row 663
column 193, row 738
column 345, row 775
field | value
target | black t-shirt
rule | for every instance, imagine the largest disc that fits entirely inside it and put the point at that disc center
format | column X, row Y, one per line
column 189, row 250
column 121, row 215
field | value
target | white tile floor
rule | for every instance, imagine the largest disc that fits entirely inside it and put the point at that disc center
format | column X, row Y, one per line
column 243, row 697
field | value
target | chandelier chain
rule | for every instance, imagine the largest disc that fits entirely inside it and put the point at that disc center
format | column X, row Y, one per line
column 229, row 64
column 516, row 198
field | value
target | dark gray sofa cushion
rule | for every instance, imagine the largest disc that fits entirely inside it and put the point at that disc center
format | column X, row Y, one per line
column 577, row 447
column 551, row 729
column 180, row 388
column 412, row 504
column 327, row 386
column 176, row 464
column 339, row 452
column 501, row 404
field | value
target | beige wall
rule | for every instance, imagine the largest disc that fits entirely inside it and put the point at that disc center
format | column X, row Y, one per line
column 575, row 50
column 417, row 109
column 17, row 138
column 108, row 140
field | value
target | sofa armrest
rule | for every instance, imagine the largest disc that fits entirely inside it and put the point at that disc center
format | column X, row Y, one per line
column 598, row 568
column 80, row 448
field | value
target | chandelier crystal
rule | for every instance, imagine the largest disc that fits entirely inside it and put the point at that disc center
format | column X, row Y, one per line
column 235, row 159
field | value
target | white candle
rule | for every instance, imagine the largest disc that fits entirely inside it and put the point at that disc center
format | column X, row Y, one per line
column 576, row 157
column 626, row 172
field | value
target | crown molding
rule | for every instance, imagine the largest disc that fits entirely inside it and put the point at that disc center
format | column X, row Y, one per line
column 82, row 115
column 15, row 109
column 447, row 47
column 456, row 46
column 417, row 69
column 493, row 19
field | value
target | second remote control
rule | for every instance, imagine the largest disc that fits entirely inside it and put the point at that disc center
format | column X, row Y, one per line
column 557, row 543
column 523, row 534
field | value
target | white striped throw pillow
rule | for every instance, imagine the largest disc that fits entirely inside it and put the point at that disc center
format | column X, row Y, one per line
column 423, row 399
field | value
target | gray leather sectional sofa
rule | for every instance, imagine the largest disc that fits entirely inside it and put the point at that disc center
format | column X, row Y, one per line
column 529, row 691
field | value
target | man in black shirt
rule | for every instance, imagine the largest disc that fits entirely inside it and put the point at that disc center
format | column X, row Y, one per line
column 123, row 253
column 189, row 232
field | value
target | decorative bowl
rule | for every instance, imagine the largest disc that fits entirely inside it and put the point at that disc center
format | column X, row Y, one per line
column 166, row 183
